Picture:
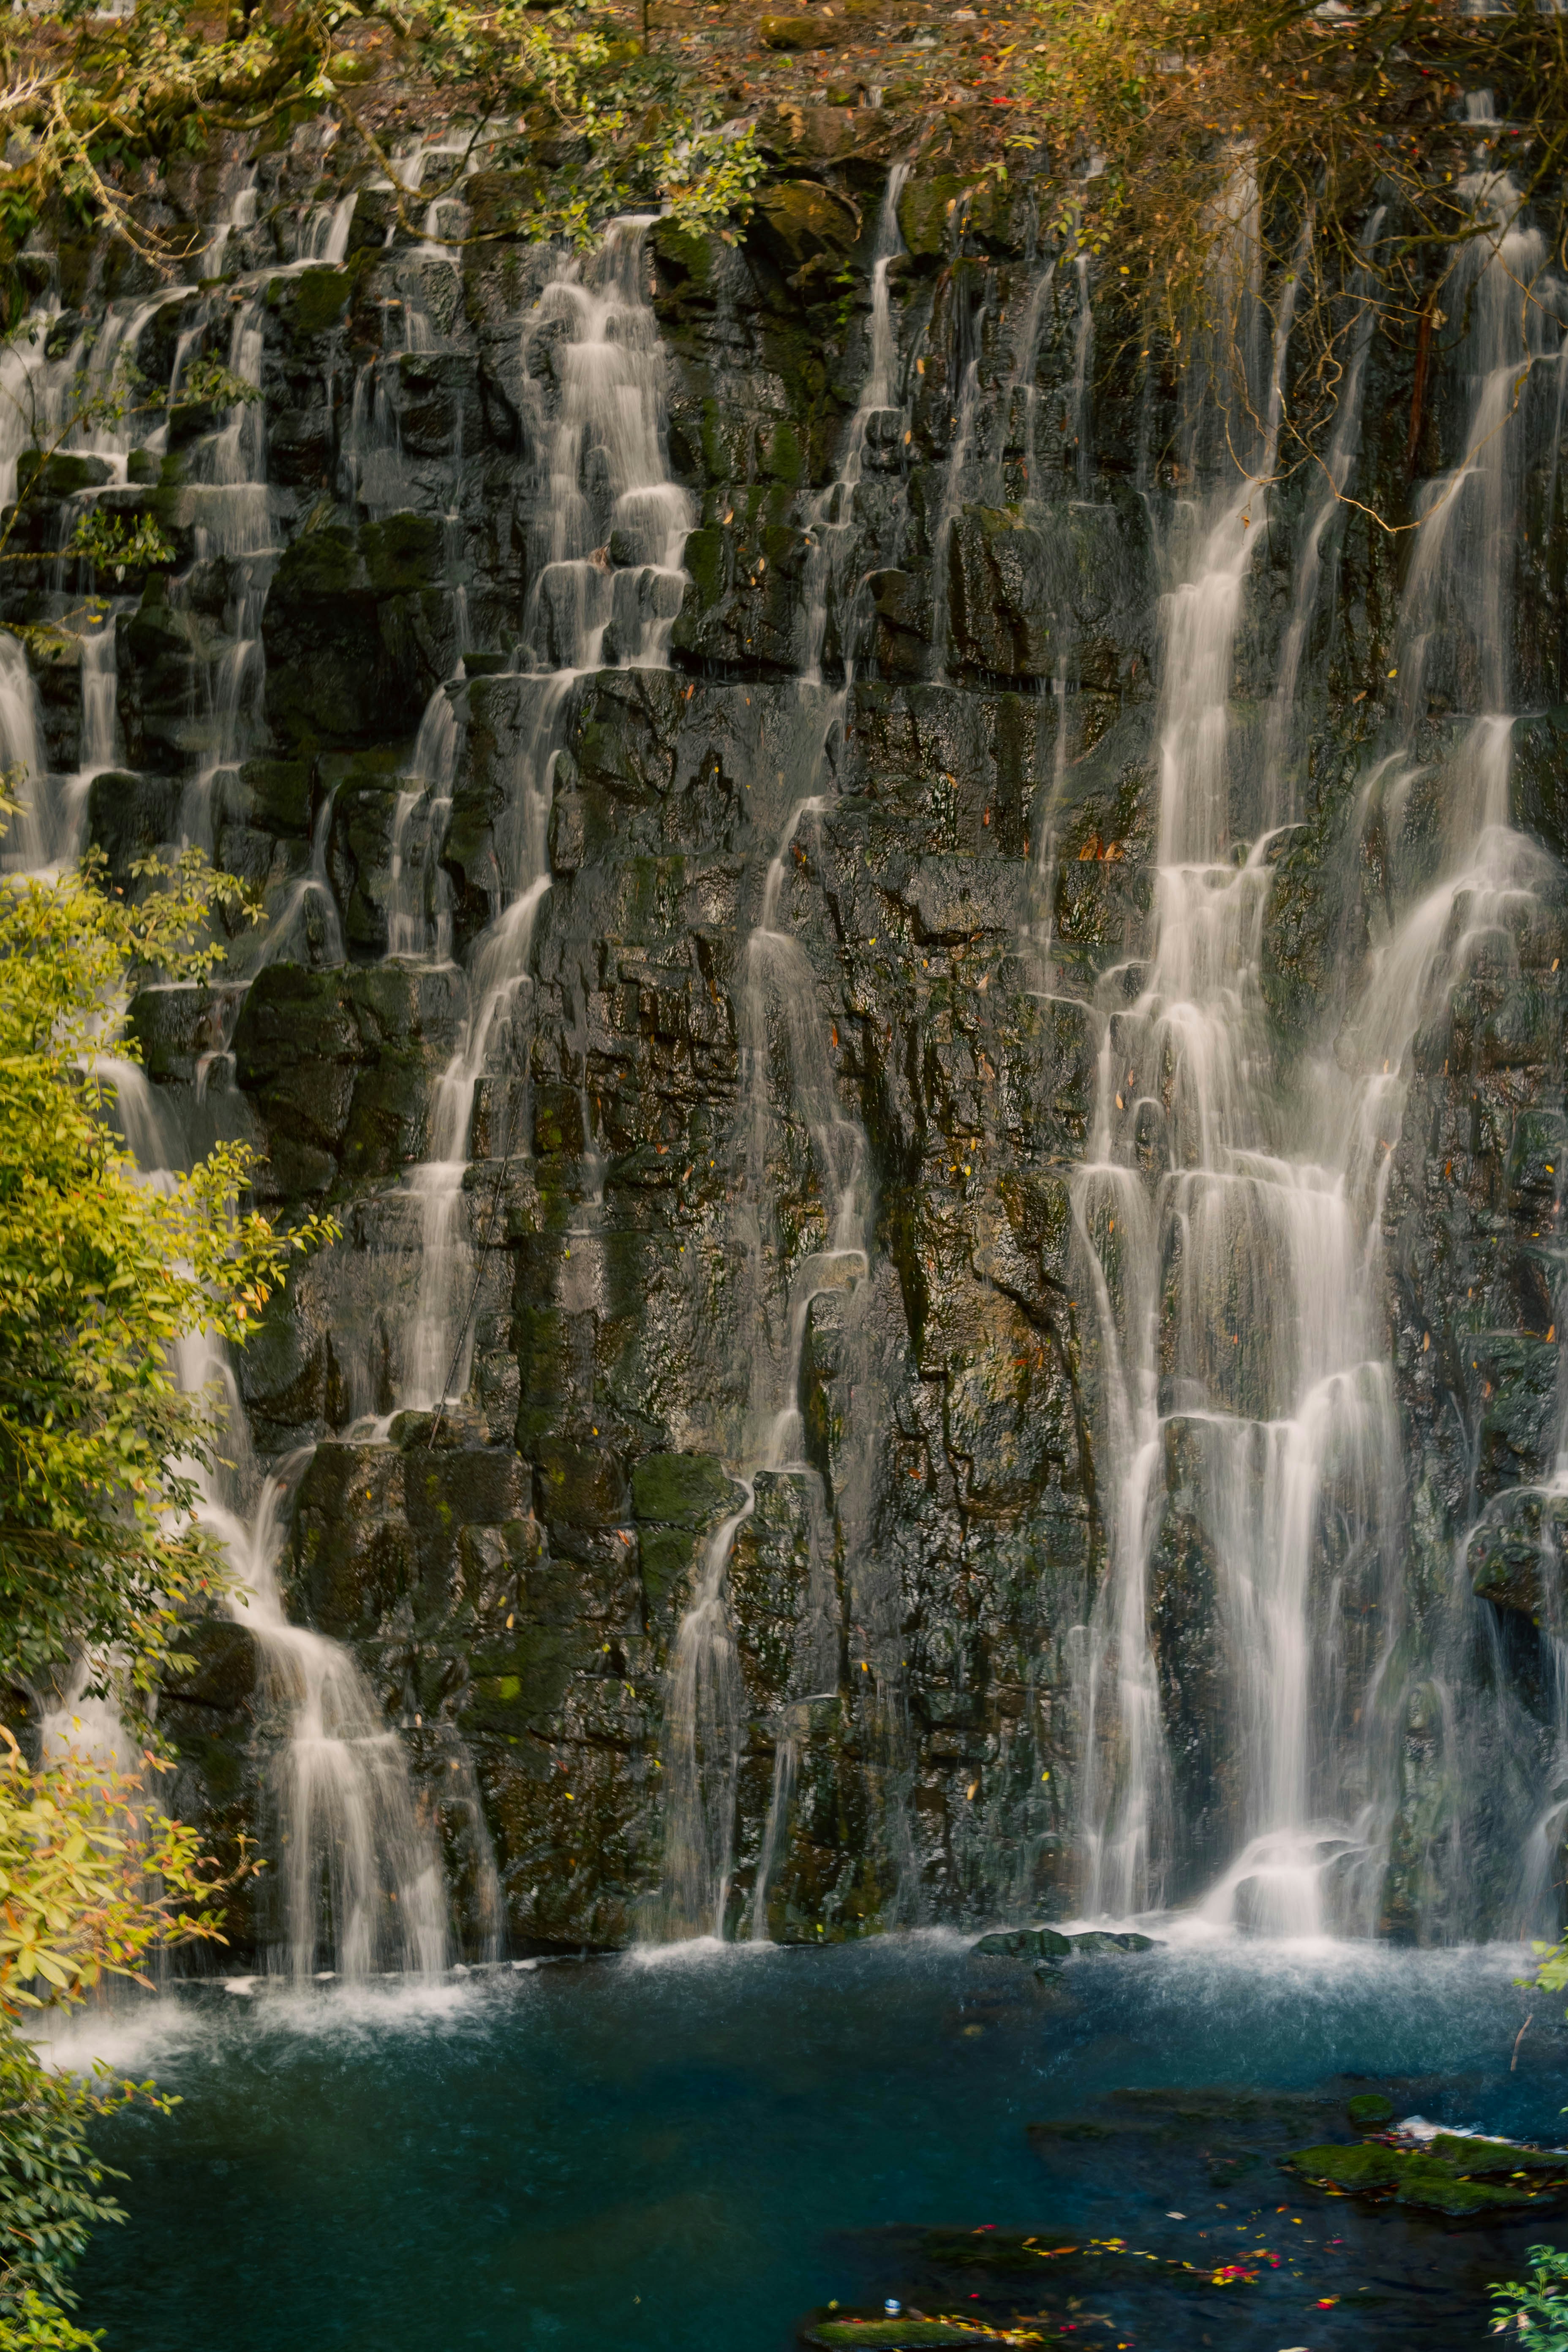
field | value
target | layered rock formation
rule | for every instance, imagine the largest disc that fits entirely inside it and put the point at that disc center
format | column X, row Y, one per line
column 701, row 1432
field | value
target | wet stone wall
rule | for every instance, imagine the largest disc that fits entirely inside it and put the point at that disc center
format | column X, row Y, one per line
column 747, row 1559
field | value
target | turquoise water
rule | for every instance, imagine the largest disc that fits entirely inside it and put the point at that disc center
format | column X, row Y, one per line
column 691, row 2152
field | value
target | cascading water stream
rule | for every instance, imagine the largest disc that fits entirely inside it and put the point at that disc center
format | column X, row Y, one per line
column 606, row 588
column 361, row 1879
column 360, row 1872
column 1241, row 1356
column 877, row 425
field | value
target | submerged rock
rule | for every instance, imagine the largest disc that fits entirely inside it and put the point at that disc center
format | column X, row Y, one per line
column 1022, row 1944
column 993, row 2249
column 1450, row 2175
column 834, row 2329
column 1100, row 1941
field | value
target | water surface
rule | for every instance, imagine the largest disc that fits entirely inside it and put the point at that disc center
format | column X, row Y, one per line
column 690, row 2152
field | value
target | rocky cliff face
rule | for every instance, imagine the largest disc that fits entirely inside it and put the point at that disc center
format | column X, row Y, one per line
column 767, row 834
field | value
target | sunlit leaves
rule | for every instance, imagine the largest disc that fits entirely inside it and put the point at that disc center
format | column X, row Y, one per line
column 101, row 1275
column 119, row 544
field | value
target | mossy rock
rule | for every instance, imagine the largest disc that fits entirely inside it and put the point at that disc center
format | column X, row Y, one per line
column 321, row 297
column 1227, row 2103
column 1101, row 1942
column 580, row 1485
column 499, row 201
column 1023, row 1944
column 1434, row 2188
column 63, row 474
column 665, row 1556
column 799, row 221
column 1477, row 2158
column 993, row 2250
column 795, row 33
column 402, row 553
column 1071, row 2131
column 685, row 252
column 129, row 815
column 1369, row 2111
column 1356, row 2168
column 685, row 1489
column 280, row 793
column 926, row 209
column 1421, row 2179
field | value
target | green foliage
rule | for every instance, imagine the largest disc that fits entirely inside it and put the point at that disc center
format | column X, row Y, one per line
column 1537, row 2306
column 51, row 2188
column 218, row 386
column 119, row 544
column 92, row 1880
column 1215, row 124
column 101, row 1275
column 505, row 54
column 36, row 2324
column 710, row 180
column 85, row 97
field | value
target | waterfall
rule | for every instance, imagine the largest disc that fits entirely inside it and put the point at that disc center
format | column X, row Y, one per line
column 420, row 917
column 99, row 681
column 594, row 601
column 704, row 1727
column 705, row 1710
column 1321, row 536
column 1270, row 1380
column 305, row 925
column 235, row 523
column 1217, row 1594
column 1454, row 642
column 1081, row 410
column 360, row 1872
column 22, row 758
column 1264, row 1373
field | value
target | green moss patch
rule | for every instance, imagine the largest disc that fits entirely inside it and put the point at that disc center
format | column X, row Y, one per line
column 1437, row 2179
column 837, row 2328
column 686, row 1489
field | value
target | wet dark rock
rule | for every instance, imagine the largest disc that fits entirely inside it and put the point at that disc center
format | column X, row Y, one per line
column 338, row 1065
column 1097, row 1943
column 1024, row 1943
column 61, row 474
column 353, row 631
column 128, row 817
